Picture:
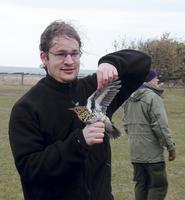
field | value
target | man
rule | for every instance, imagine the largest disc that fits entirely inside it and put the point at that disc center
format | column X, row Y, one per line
column 57, row 156
column 146, row 124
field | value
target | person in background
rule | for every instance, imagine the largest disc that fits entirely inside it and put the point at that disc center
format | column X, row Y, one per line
column 146, row 123
column 57, row 156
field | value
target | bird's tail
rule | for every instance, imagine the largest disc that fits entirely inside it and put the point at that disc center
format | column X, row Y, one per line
column 114, row 133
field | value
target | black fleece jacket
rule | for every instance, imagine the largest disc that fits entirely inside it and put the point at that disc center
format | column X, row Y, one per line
column 50, row 152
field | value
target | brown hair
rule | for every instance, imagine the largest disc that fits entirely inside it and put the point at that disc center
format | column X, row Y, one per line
column 57, row 28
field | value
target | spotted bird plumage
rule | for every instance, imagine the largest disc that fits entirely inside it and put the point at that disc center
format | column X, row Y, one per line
column 96, row 108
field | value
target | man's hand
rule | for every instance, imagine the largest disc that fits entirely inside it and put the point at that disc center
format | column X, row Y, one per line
column 94, row 133
column 106, row 73
column 172, row 155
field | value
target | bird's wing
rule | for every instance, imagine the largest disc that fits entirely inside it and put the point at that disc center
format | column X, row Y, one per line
column 101, row 99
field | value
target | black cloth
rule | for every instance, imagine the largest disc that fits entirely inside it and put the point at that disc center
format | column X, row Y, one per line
column 151, row 181
column 50, row 152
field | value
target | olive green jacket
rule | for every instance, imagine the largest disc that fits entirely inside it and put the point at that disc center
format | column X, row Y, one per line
column 146, row 124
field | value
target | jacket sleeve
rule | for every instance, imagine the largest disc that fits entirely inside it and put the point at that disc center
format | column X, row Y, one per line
column 132, row 67
column 36, row 161
column 159, row 122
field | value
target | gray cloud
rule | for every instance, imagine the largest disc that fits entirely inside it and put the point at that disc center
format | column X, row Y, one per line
column 131, row 5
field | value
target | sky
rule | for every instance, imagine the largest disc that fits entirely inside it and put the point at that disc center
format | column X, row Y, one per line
column 99, row 23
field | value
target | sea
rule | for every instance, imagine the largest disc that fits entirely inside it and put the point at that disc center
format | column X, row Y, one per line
column 31, row 70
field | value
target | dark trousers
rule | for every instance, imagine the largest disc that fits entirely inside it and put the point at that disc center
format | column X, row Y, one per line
column 151, row 181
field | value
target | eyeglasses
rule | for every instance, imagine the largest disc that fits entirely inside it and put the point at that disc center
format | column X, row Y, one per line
column 63, row 55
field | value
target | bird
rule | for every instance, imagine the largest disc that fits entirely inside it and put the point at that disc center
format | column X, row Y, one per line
column 96, row 107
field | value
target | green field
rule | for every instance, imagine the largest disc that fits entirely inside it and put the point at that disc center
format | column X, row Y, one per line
column 174, row 99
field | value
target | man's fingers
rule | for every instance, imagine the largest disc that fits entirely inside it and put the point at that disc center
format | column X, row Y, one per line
column 97, row 141
column 94, row 133
column 115, row 74
column 99, row 124
column 95, row 138
column 106, row 73
column 99, row 79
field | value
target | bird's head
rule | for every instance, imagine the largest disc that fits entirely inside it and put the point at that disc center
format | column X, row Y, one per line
column 82, row 112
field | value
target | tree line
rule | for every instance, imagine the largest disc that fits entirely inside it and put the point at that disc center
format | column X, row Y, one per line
column 168, row 55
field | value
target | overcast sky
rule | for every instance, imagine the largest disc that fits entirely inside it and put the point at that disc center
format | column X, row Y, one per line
column 99, row 23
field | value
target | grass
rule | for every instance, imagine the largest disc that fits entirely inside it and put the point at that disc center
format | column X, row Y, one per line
column 122, row 184
column 10, row 188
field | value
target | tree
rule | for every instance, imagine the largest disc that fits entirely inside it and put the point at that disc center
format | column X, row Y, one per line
column 168, row 55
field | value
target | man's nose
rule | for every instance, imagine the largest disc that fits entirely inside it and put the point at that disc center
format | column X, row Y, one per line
column 68, row 59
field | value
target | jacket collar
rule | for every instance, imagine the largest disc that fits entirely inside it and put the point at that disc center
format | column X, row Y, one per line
column 157, row 90
column 56, row 85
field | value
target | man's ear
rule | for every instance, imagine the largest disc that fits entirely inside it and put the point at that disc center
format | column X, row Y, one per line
column 44, row 58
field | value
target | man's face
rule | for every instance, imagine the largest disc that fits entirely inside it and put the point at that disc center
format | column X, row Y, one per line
column 63, row 59
column 154, row 82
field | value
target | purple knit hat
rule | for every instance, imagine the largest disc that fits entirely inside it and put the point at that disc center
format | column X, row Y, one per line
column 151, row 75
